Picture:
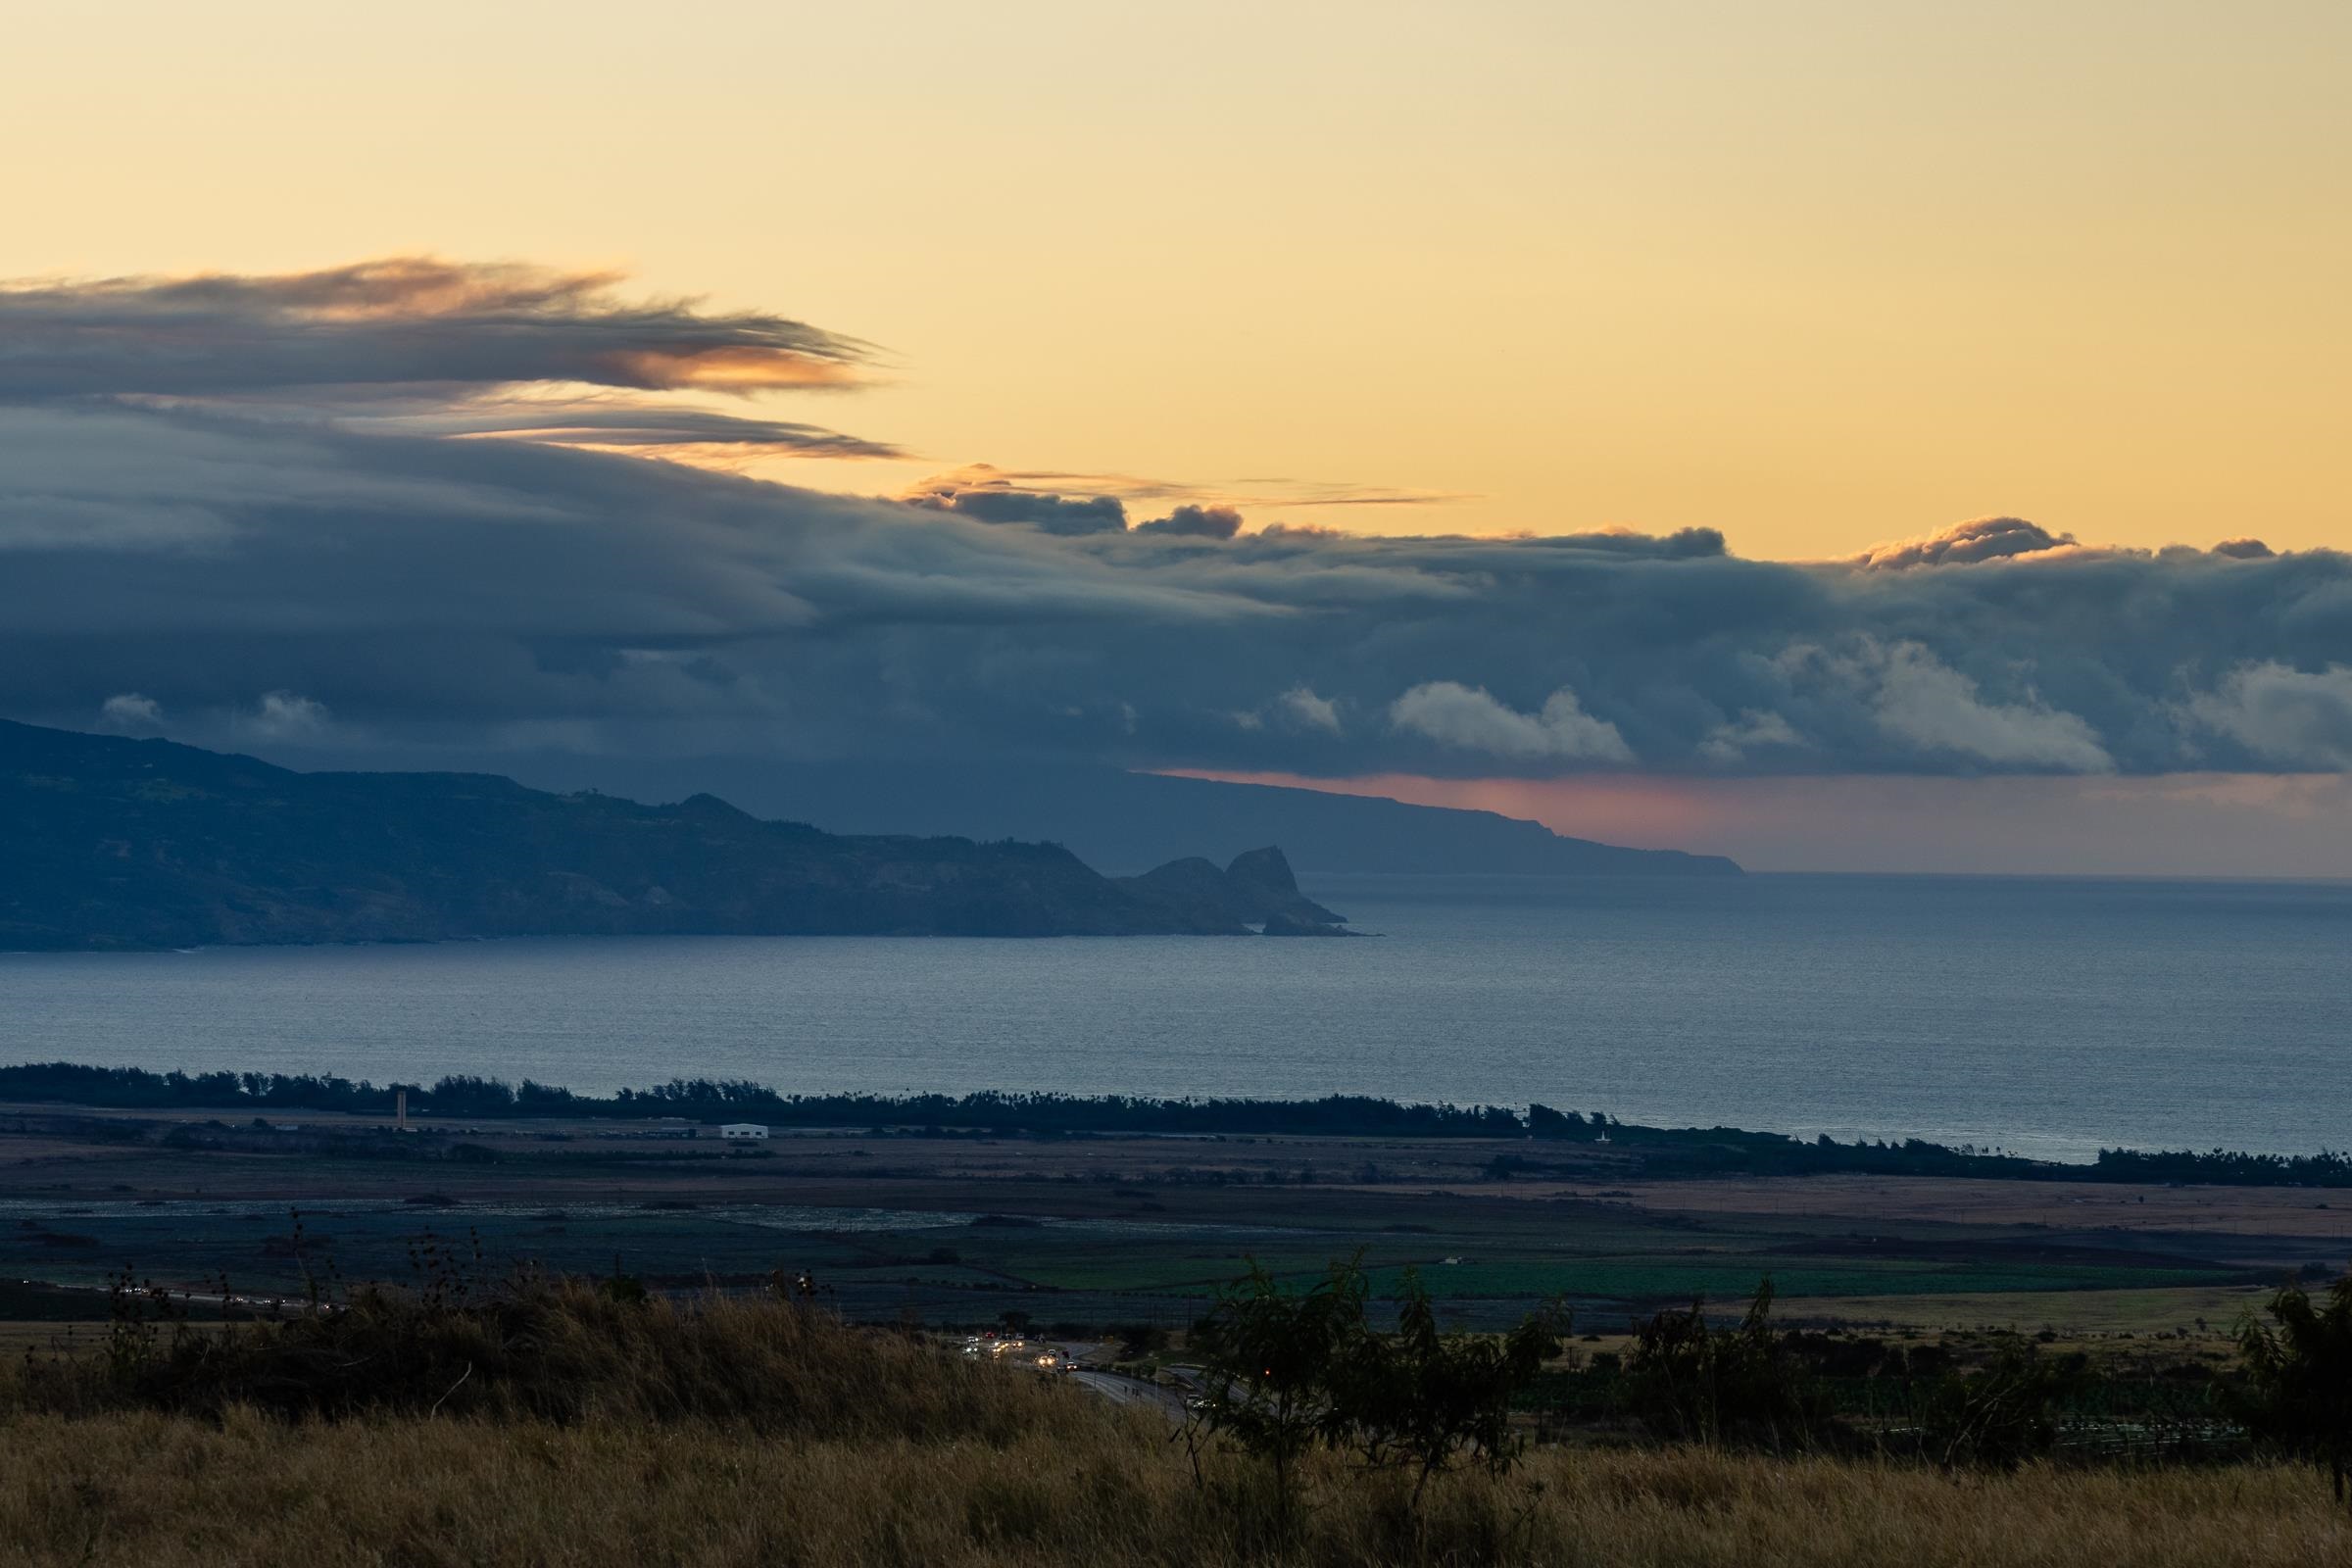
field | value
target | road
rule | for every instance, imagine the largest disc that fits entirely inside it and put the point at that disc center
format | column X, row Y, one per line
column 1123, row 1389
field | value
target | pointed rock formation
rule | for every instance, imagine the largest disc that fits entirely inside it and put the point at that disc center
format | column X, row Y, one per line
column 1258, row 889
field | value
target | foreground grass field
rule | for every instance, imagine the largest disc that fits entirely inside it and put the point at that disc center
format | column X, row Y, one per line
column 558, row 1422
column 1105, row 1489
column 740, row 1431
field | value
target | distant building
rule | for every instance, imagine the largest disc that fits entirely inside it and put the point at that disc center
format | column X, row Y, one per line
column 744, row 1132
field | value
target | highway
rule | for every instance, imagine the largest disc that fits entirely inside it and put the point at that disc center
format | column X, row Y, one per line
column 1123, row 1389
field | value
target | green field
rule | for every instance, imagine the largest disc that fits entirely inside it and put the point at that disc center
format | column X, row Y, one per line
column 1078, row 1231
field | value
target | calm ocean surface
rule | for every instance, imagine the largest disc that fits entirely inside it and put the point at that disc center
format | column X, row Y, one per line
column 2045, row 1017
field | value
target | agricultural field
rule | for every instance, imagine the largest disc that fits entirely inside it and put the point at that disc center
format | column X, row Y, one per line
column 961, row 1230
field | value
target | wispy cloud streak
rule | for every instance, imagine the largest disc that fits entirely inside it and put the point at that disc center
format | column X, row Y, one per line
column 386, row 340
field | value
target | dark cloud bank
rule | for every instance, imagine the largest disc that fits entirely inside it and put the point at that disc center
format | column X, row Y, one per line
column 352, row 510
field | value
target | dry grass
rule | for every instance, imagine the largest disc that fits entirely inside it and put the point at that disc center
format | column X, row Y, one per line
column 1106, row 1490
column 748, row 1432
column 552, row 1351
column 2072, row 1314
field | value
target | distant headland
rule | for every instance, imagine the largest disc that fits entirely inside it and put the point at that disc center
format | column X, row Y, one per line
column 119, row 844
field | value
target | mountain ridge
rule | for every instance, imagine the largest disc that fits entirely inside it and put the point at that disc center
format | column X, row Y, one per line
column 1113, row 819
column 116, row 843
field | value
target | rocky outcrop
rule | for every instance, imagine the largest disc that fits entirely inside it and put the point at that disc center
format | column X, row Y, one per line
column 1287, row 925
column 1258, row 889
column 1264, row 877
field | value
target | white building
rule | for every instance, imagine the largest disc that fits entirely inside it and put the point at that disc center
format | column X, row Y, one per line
column 736, row 1132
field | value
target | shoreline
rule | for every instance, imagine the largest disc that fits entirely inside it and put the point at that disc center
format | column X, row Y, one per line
column 1539, row 1141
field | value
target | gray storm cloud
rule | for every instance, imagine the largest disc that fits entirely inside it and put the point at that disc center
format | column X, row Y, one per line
column 419, row 345
column 982, row 495
column 1196, row 523
column 177, row 553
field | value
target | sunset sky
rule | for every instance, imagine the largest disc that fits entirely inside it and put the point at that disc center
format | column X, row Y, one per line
column 1818, row 277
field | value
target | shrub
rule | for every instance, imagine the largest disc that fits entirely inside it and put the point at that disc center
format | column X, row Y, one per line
column 1688, row 1380
column 2005, row 1413
column 1420, row 1399
column 1288, row 1372
column 2297, row 1395
column 1272, row 1356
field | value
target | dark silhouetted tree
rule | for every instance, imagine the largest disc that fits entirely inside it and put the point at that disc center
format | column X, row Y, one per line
column 1272, row 1356
column 2003, row 1413
column 1421, row 1398
column 2297, row 1395
column 1686, row 1379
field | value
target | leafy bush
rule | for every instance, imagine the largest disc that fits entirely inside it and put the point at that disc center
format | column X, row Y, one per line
column 1688, row 1380
column 1421, row 1398
column 2297, row 1395
column 2005, row 1413
column 1272, row 1358
column 1290, row 1371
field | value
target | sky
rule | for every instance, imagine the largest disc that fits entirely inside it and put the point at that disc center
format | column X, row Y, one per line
column 1621, row 411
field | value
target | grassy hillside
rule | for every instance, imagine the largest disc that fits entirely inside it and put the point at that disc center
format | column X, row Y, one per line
column 1103, row 1490
column 563, row 1424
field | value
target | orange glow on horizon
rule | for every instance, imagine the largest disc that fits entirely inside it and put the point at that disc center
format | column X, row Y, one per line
column 1814, row 274
column 2186, row 824
column 1643, row 810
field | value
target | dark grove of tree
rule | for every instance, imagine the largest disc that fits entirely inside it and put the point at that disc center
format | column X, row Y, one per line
column 1683, row 1151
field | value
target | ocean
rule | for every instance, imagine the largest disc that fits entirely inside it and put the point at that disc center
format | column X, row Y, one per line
column 2048, row 1018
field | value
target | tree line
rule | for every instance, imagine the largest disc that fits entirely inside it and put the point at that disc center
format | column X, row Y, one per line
column 1287, row 1370
column 1660, row 1151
